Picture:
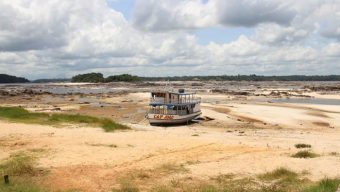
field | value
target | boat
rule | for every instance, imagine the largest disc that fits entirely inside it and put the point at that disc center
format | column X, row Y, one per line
column 173, row 107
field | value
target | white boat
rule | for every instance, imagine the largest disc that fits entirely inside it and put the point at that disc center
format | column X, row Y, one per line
column 169, row 107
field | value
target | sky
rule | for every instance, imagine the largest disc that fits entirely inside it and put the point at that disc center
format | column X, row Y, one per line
column 62, row 38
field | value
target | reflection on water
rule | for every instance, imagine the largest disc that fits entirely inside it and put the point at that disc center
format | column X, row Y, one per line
column 317, row 101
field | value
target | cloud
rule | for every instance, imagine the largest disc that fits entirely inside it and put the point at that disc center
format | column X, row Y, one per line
column 248, row 13
column 31, row 25
column 275, row 34
column 153, row 15
column 61, row 38
column 164, row 15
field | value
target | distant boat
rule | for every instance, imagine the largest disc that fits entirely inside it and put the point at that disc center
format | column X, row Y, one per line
column 168, row 107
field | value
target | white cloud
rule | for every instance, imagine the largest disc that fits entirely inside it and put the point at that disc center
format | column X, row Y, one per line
column 40, row 38
column 332, row 50
column 163, row 15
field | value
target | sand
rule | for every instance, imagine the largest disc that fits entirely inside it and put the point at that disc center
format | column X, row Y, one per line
column 245, row 138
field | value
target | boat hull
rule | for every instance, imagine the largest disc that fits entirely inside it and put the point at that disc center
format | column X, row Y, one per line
column 172, row 119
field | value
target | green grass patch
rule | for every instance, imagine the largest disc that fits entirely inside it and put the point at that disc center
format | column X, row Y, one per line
column 302, row 145
column 126, row 186
column 305, row 154
column 325, row 185
column 278, row 180
column 173, row 168
column 20, row 186
column 20, row 167
column 19, row 164
column 280, row 173
column 17, row 114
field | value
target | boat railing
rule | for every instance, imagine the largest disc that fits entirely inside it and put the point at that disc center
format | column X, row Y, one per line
column 181, row 101
column 168, row 112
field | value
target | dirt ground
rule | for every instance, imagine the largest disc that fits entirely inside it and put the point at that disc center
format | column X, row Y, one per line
column 246, row 137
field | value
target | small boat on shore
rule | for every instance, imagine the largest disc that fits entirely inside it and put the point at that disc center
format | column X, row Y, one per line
column 169, row 107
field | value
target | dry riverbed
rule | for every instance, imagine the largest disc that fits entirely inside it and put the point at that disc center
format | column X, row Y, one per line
column 246, row 137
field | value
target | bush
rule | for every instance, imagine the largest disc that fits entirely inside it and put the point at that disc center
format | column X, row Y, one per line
column 302, row 145
column 305, row 154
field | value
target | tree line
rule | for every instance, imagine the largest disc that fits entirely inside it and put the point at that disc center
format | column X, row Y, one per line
column 247, row 78
column 4, row 78
column 98, row 77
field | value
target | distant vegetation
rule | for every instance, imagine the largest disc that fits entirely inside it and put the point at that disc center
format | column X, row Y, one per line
column 51, row 80
column 89, row 78
column 123, row 77
column 99, row 78
column 17, row 114
column 12, row 79
column 246, row 78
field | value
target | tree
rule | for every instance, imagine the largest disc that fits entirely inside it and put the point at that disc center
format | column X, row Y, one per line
column 4, row 78
column 123, row 77
column 89, row 78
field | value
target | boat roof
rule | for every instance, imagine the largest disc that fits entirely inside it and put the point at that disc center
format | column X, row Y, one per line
column 185, row 93
column 172, row 104
column 176, row 93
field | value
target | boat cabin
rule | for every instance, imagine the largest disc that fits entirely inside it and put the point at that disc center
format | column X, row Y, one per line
column 173, row 103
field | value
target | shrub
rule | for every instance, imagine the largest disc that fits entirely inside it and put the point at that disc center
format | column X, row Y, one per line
column 302, row 145
column 305, row 154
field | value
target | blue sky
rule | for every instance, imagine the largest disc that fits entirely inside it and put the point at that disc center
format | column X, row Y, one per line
column 123, row 6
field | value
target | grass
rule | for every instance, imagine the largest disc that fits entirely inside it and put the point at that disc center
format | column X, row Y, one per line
column 278, row 180
column 23, row 174
column 280, row 173
column 173, row 168
column 126, row 186
column 305, row 154
column 325, row 185
column 26, row 185
column 20, row 167
column 302, row 145
column 19, row 164
column 20, row 186
column 101, row 145
column 17, row 114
